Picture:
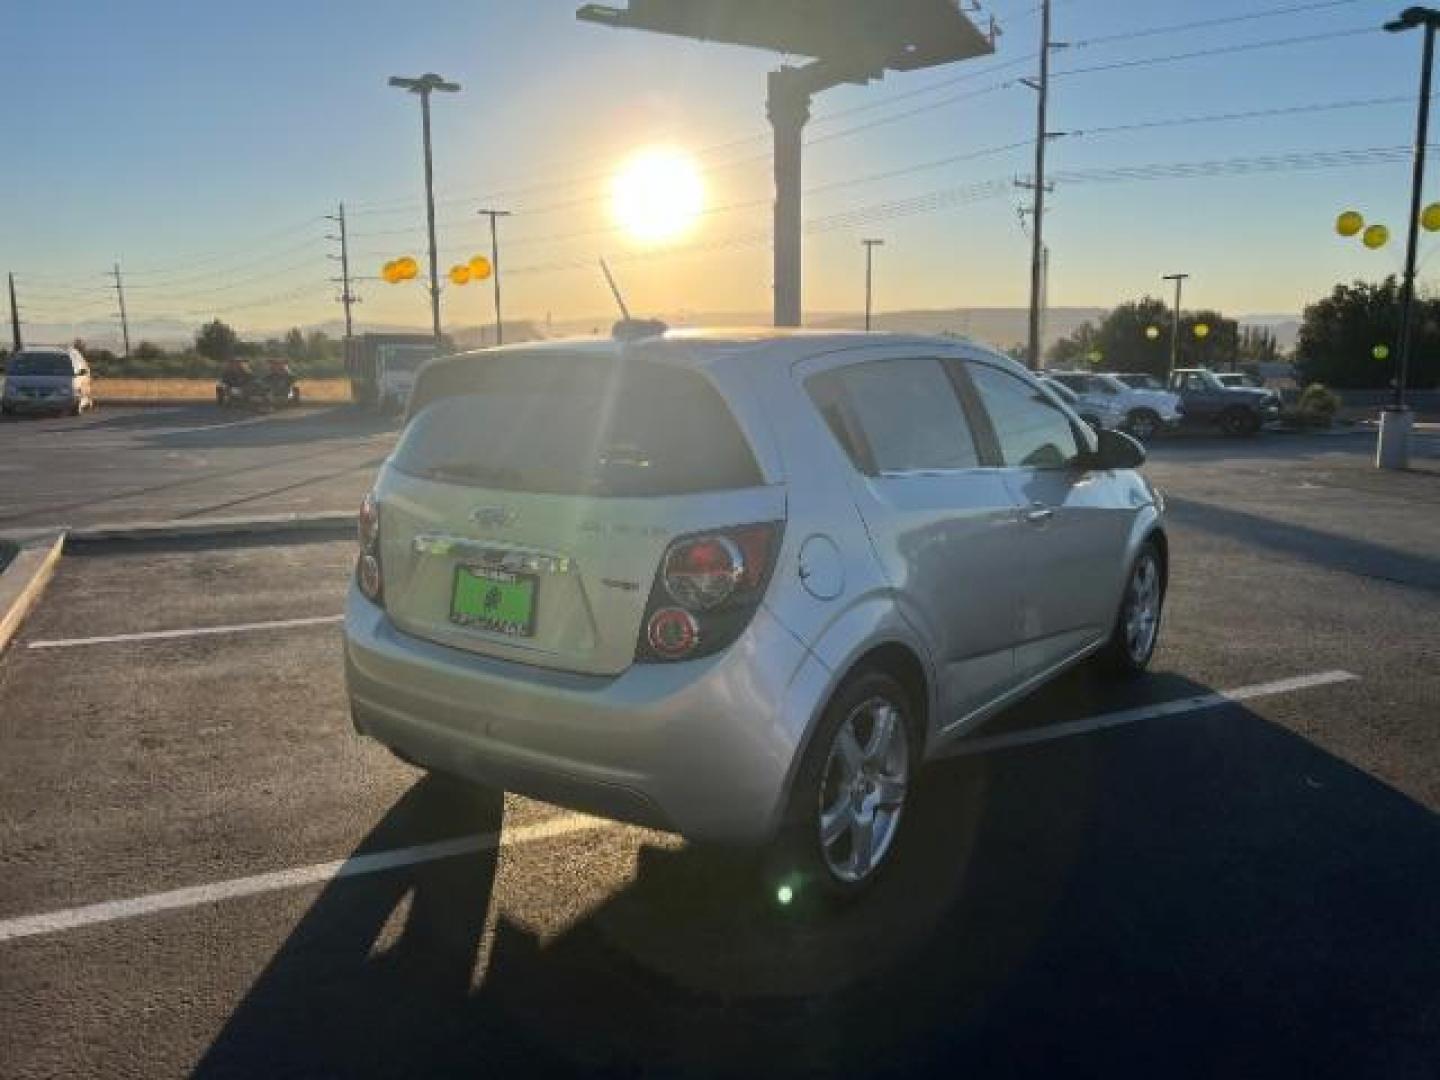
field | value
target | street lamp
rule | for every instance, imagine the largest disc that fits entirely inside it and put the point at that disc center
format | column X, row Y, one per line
column 1393, row 449
column 870, row 246
column 423, row 87
column 1179, row 280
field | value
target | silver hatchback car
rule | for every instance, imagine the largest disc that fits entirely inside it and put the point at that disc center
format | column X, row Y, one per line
column 738, row 586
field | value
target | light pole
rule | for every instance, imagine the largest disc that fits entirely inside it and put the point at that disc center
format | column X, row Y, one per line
column 870, row 246
column 1179, row 280
column 495, row 267
column 424, row 86
column 1393, row 448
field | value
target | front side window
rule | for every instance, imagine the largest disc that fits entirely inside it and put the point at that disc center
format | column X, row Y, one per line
column 896, row 415
column 1032, row 432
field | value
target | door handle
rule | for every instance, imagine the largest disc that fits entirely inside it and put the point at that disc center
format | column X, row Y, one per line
column 1039, row 514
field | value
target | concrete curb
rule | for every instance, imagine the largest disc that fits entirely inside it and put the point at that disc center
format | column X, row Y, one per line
column 336, row 521
column 22, row 582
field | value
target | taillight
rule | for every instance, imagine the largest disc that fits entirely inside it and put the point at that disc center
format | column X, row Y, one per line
column 368, row 574
column 706, row 590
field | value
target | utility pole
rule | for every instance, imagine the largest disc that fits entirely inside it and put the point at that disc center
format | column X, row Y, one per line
column 15, row 317
column 1393, row 448
column 424, row 86
column 346, row 296
column 495, row 268
column 1038, row 186
column 124, row 320
column 870, row 246
column 1179, row 280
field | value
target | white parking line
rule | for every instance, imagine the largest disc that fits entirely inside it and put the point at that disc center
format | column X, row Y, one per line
column 1072, row 728
column 194, row 631
column 315, row 874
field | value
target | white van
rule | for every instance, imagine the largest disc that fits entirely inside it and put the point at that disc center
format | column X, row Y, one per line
column 47, row 379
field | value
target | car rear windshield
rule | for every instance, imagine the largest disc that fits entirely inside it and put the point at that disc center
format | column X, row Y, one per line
column 40, row 364
column 574, row 426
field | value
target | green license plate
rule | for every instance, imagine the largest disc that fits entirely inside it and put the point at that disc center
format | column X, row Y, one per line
column 489, row 598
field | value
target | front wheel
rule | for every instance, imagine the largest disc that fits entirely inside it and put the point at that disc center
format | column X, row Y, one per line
column 1137, row 626
column 850, row 794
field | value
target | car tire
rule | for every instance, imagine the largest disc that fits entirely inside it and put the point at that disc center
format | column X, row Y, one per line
column 1239, row 423
column 1137, row 622
column 842, row 800
column 1143, row 424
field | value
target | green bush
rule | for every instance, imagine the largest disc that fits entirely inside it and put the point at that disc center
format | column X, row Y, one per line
column 1318, row 405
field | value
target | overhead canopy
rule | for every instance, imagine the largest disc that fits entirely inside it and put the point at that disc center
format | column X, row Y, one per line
column 861, row 35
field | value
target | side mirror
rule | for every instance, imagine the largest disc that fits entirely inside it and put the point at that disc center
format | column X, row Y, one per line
column 1117, row 451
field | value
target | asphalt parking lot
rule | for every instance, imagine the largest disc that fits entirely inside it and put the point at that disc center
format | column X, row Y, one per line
column 1111, row 883
column 122, row 464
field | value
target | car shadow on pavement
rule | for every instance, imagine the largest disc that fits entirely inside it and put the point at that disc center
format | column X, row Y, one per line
column 1333, row 551
column 1208, row 895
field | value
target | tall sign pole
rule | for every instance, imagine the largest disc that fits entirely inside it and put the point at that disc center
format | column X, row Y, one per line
column 1393, row 448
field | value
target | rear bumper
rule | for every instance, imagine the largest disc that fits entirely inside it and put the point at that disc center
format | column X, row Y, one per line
column 39, row 405
column 702, row 748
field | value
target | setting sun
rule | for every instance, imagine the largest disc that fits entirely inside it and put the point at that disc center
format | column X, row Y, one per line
column 657, row 195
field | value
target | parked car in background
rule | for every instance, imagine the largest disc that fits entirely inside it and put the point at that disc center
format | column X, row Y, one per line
column 1139, row 380
column 1143, row 413
column 47, row 379
column 1235, row 410
column 1098, row 412
column 738, row 586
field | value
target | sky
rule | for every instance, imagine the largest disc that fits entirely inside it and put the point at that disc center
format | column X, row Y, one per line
column 200, row 145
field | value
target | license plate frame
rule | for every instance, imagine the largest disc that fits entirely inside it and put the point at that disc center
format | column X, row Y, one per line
column 500, row 587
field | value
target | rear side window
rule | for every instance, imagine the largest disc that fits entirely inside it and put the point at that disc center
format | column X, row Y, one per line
column 896, row 415
column 1031, row 431
column 575, row 426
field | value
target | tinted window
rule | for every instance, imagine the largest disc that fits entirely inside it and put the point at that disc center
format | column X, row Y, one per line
column 40, row 363
column 1031, row 430
column 1075, row 383
column 896, row 415
column 575, row 425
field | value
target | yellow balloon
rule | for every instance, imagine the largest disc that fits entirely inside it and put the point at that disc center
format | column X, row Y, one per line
column 1430, row 217
column 1376, row 237
column 406, row 267
column 1381, row 352
column 1152, row 332
column 459, row 274
column 1349, row 223
column 1202, row 331
column 479, row 268
column 390, row 272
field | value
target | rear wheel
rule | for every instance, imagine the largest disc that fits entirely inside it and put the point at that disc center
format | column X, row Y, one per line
column 1137, row 626
column 849, row 798
column 1143, row 424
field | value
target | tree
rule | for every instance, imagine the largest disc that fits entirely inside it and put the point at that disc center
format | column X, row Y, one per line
column 148, row 351
column 1340, row 333
column 319, row 348
column 1122, row 341
column 1257, row 345
column 294, row 345
column 217, row 342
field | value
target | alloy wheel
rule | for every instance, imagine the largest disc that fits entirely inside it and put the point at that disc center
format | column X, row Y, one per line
column 1142, row 608
column 862, row 791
